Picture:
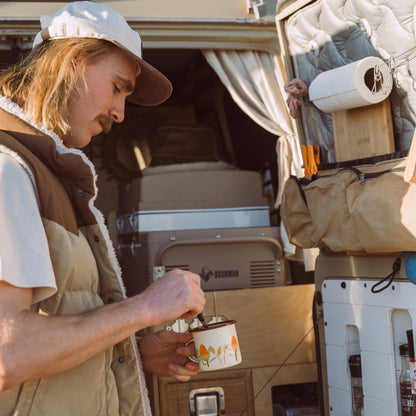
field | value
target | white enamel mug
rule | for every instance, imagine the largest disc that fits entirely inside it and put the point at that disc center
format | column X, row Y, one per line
column 217, row 346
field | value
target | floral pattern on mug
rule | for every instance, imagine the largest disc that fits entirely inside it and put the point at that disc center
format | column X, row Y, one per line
column 204, row 354
column 234, row 345
column 209, row 354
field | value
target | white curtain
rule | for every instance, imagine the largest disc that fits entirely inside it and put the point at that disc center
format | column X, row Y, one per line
column 256, row 83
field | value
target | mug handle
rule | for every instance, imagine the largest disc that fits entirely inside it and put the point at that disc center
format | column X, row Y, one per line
column 192, row 357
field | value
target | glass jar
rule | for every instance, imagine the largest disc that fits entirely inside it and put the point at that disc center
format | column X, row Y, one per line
column 356, row 385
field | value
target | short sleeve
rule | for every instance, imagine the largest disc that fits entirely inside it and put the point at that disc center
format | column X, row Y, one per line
column 24, row 253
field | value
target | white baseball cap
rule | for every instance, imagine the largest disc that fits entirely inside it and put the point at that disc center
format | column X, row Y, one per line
column 85, row 19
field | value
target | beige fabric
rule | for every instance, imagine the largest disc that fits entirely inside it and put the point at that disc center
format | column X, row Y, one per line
column 107, row 383
column 296, row 216
column 19, row 217
column 368, row 208
column 255, row 81
column 110, row 383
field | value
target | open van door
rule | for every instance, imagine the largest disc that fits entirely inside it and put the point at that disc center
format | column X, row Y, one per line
column 362, row 316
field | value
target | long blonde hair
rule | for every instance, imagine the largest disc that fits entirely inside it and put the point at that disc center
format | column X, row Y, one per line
column 43, row 80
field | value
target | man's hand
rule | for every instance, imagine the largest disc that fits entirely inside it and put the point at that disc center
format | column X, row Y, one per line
column 165, row 353
column 177, row 294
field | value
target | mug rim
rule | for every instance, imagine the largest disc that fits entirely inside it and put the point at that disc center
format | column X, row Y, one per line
column 215, row 325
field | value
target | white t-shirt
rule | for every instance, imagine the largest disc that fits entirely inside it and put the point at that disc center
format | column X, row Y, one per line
column 24, row 254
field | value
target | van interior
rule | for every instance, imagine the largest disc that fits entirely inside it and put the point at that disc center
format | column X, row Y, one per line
column 192, row 184
column 223, row 133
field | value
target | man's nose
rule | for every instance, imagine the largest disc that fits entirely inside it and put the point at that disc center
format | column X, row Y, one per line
column 117, row 110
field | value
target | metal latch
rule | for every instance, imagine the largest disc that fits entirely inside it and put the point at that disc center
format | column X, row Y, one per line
column 158, row 271
column 207, row 402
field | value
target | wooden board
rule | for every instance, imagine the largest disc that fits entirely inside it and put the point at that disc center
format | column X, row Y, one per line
column 247, row 391
column 363, row 132
column 271, row 323
column 237, row 386
column 267, row 377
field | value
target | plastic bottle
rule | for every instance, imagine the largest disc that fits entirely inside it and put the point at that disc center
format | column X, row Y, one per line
column 406, row 397
column 356, row 385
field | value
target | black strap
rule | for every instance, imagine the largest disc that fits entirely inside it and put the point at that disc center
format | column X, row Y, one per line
column 389, row 278
column 364, row 161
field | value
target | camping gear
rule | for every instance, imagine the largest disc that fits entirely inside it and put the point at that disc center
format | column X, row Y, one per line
column 364, row 208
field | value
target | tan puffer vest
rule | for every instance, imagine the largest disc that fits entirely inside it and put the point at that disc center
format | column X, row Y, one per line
column 87, row 276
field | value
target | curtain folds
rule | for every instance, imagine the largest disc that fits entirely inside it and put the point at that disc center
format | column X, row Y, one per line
column 255, row 81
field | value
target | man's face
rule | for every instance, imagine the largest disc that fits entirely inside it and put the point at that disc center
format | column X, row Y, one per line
column 95, row 106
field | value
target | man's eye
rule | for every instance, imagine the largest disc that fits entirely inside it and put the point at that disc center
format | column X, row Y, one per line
column 116, row 89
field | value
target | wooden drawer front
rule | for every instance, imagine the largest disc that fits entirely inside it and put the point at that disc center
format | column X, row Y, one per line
column 237, row 386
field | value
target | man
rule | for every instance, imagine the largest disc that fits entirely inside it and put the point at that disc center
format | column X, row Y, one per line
column 67, row 343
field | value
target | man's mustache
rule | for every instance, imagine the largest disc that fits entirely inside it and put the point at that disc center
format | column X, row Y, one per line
column 106, row 122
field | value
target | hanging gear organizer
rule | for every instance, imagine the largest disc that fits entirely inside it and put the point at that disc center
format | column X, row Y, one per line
column 364, row 208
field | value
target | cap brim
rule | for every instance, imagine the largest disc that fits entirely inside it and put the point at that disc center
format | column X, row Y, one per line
column 152, row 87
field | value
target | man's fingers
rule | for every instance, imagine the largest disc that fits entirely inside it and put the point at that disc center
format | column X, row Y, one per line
column 186, row 351
column 194, row 367
column 184, row 379
column 183, row 373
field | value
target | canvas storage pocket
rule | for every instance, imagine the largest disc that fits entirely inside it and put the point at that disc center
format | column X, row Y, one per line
column 296, row 216
column 327, row 201
column 383, row 208
column 366, row 208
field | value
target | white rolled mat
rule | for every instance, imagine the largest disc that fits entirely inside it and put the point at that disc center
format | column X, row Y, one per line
column 353, row 85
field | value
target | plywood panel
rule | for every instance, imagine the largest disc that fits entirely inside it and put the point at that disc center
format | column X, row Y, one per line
column 363, row 132
column 267, row 377
column 237, row 386
column 274, row 327
column 271, row 323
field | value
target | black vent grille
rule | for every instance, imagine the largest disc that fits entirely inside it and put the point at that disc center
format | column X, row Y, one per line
column 263, row 273
column 146, row 275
